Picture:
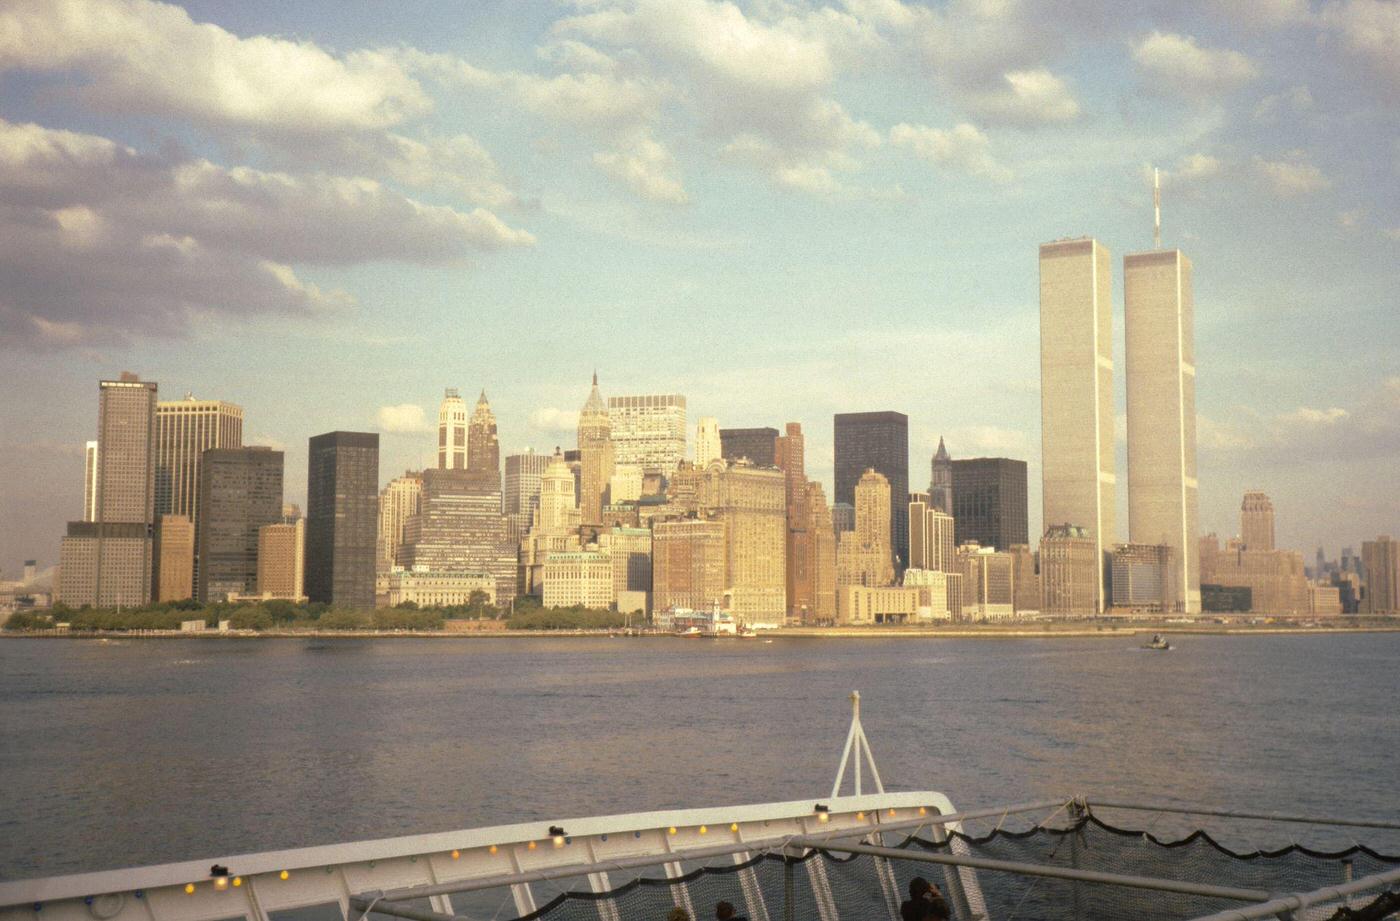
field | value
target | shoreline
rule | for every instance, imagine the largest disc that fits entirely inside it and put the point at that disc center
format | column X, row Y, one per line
column 1009, row 631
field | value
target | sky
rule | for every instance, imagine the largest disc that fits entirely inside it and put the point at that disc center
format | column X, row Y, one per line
column 329, row 213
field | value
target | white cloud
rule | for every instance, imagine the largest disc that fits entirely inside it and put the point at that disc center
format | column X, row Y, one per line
column 1292, row 177
column 962, row 148
column 554, row 420
column 1297, row 100
column 1195, row 167
column 405, row 418
column 644, row 165
column 1306, row 415
column 1026, row 98
column 1175, row 63
column 146, row 56
column 1370, row 30
column 164, row 238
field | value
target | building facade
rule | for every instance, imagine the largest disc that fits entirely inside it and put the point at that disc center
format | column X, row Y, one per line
column 756, row 445
column 109, row 561
column 876, row 441
column 90, row 481
column 174, row 552
column 1070, row 572
column 688, row 564
column 1257, row 521
column 988, row 583
column 579, row 577
column 452, row 431
column 648, row 431
column 398, row 502
column 1160, row 366
column 630, row 549
column 342, row 516
column 931, row 536
column 1381, row 559
column 1142, row 578
column 707, row 443
column 282, row 560
column 438, row 589
column 989, row 501
column 483, row 449
column 863, row 555
column 460, row 528
column 823, row 572
column 790, row 455
column 940, row 489
column 596, row 459
column 1076, row 390
column 240, row 490
column 751, row 503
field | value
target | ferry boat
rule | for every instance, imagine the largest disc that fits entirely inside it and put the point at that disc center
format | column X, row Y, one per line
column 840, row 856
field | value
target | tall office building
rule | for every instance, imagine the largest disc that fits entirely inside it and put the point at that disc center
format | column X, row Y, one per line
column 648, row 431
column 90, row 481
column 988, row 583
column 452, row 431
column 756, row 445
column 932, row 544
column 1160, row 365
column 185, row 429
column 595, row 450
column 989, row 501
column 459, row 528
column 801, row 586
column 751, row 503
column 558, row 512
column 240, row 490
column 483, row 450
column 863, row 555
column 109, row 561
column 398, row 502
column 282, row 560
column 876, row 441
column 707, row 443
column 342, row 506
column 823, row 570
column 174, row 555
column 1257, row 521
column 688, row 564
column 1382, row 560
column 1076, row 390
column 521, row 490
column 940, row 489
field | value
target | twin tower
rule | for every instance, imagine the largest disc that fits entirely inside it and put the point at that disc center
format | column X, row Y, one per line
column 1076, row 402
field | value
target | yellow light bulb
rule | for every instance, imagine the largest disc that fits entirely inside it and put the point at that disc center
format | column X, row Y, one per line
column 189, row 888
column 891, row 813
column 672, row 829
column 532, row 845
column 221, row 883
column 493, row 849
column 861, row 816
column 456, row 853
column 237, row 881
column 923, row 811
column 733, row 826
column 283, row 875
column 823, row 817
column 703, row 829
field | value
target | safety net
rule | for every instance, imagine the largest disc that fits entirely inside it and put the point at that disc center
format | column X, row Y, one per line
column 829, row 885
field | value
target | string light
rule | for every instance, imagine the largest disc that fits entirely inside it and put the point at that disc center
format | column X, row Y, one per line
column 860, row 816
column 533, row 845
column 733, row 826
column 456, row 853
column 189, row 888
column 671, row 830
column 283, row 875
column 923, row 811
column 492, row 849
column 237, row 881
column 703, row 829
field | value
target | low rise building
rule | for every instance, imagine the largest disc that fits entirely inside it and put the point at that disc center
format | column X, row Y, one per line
column 429, row 589
column 988, row 583
column 579, row 577
column 859, row 604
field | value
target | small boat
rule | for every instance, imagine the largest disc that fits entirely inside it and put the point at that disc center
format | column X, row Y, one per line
column 1158, row 642
column 691, row 632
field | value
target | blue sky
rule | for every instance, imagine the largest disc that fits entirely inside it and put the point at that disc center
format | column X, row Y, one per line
column 780, row 209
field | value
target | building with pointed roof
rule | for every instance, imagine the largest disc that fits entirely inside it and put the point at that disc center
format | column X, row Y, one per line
column 595, row 455
column 940, row 489
column 483, row 450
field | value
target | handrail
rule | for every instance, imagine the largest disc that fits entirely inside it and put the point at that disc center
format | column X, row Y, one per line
column 1237, row 814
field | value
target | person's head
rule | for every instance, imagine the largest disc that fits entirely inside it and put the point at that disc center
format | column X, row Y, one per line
column 918, row 887
column 724, row 911
column 678, row 914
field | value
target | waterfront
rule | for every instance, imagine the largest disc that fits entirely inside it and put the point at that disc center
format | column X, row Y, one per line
column 126, row 752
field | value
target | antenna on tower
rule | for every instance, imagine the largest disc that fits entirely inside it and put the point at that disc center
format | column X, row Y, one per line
column 1156, row 209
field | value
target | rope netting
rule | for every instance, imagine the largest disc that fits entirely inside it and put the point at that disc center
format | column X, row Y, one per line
column 829, row 886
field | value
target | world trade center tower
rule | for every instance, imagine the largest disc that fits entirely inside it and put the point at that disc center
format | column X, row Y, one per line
column 1161, row 371
column 1076, row 391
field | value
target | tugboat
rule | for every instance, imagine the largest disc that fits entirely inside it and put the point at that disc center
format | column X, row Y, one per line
column 1158, row 642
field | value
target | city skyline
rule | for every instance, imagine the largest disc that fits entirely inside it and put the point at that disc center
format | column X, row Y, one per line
column 761, row 299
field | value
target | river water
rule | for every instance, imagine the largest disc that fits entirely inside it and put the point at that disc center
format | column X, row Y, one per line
column 144, row 751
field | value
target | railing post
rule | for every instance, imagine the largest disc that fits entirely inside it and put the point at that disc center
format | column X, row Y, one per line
column 789, row 909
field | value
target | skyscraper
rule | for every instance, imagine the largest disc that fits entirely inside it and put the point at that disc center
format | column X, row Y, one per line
column 801, row 589
column 1076, row 390
column 1382, row 560
column 483, row 451
column 940, row 489
column 520, row 491
column 109, row 561
column 876, row 441
column 648, row 431
column 755, row 444
column 240, row 490
column 863, row 556
column 342, row 505
column 90, row 481
column 1070, row 572
column 1159, row 363
column 460, row 528
column 751, row 503
column 707, row 443
column 557, row 510
column 989, row 501
column 174, row 555
column 931, row 536
column 688, row 564
column 595, row 450
column 398, row 502
column 823, row 571
column 1257, row 521
column 282, row 560
column 452, row 431
column 185, row 429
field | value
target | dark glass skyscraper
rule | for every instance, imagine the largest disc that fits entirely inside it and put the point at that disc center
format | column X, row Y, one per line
column 240, row 490
column 342, row 513
column 758, row 445
column 877, row 441
column 989, row 501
